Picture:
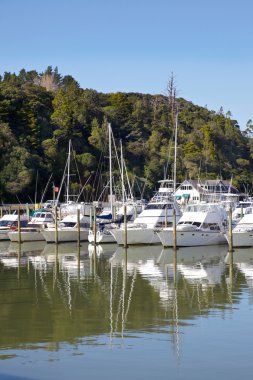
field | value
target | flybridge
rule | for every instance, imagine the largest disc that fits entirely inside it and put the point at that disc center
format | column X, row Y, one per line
column 165, row 191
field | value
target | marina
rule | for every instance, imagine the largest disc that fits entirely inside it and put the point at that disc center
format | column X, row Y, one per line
column 143, row 312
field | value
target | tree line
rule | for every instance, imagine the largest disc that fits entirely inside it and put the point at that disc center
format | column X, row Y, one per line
column 41, row 112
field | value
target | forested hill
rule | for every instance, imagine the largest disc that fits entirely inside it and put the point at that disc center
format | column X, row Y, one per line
column 40, row 113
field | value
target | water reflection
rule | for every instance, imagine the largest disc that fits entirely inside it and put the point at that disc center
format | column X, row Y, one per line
column 85, row 296
column 243, row 260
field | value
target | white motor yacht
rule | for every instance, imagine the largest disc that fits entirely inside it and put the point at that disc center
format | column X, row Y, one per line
column 32, row 232
column 157, row 213
column 68, row 230
column 9, row 222
column 201, row 224
column 239, row 210
column 243, row 231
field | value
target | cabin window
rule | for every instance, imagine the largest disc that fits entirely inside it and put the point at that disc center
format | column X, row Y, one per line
column 5, row 223
column 68, row 224
column 158, row 206
column 211, row 226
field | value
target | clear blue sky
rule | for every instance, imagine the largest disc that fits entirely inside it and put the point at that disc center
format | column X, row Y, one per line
column 134, row 45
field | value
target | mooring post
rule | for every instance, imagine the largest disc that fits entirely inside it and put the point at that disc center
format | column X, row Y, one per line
column 19, row 226
column 95, row 226
column 56, row 225
column 230, row 233
column 78, row 228
column 174, row 229
column 125, row 227
column 78, row 244
column 91, row 217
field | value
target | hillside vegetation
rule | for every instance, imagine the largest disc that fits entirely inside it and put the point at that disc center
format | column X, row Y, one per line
column 39, row 113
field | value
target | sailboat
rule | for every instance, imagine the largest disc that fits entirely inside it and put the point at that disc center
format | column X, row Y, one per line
column 71, row 204
column 67, row 228
column 106, row 219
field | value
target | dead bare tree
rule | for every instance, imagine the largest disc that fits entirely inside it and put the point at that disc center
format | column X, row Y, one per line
column 172, row 95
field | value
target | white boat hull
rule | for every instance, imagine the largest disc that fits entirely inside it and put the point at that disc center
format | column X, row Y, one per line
column 136, row 236
column 4, row 234
column 65, row 235
column 25, row 236
column 101, row 237
column 242, row 239
column 191, row 238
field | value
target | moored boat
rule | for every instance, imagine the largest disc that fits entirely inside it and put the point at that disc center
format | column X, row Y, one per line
column 200, row 224
column 9, row 222
column 243, row 231
column 32, row 232
column 157, row 213
column 67, row 230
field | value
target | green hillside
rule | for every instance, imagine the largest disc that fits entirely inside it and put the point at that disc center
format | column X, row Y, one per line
column 40, row 112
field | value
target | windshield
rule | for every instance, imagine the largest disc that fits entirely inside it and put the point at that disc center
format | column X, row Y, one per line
column 6, row 223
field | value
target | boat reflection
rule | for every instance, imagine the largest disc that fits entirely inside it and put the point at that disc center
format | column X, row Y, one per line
column 27, row 247
column 202, row 265
column 73, row 294
column 4, row 244
column 243, row 260
column 196, row 264
column 146, row 261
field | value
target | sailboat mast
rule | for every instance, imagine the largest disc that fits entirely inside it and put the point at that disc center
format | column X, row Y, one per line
column 110, row 163
column 175, row 155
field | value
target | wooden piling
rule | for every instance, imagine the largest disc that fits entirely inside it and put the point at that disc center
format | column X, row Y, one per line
column 125, row 227
column 91, row 212
column 95, row 227
column 56, row 225
column 19, row 227
column 78, row 228
column 174, row 230
column 230, row 234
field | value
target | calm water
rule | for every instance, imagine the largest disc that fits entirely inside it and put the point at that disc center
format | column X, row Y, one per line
column 140, row 315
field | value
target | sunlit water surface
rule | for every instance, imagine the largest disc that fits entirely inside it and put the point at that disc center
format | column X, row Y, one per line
column 143, row 313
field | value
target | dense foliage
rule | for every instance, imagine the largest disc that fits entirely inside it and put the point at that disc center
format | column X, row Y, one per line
column 40, row 113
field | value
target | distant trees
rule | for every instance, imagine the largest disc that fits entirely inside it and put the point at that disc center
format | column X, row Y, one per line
column 40, row 112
